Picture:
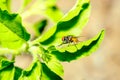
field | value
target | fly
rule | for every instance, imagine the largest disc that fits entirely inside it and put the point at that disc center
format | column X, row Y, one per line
column 69, row 39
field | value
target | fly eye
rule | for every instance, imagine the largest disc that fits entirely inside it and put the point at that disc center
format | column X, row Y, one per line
column 63, row 38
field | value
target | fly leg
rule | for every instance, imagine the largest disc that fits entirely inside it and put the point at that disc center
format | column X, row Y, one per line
column 75, row 45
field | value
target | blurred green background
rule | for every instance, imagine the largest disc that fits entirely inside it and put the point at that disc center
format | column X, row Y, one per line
column 104, row 64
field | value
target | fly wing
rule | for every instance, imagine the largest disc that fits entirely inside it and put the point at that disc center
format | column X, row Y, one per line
column 82, row 38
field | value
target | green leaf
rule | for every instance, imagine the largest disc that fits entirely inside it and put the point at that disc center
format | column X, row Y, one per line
column 17, row 73
column 5, row 5
column 7, row 73
column 13, row 34
column 39, row 26
column 7, row 69
column 4, row 62
column 32, row 73
column 47, row 74
column 47, row 8
column 54, row 65
column 83, row 49
column 71, row 24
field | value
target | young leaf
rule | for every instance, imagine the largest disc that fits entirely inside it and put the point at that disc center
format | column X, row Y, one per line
column 48, row 60
column 33, row 73
column 83, row 49
column 71, row 24
column 47, row 74
column 13, row 34
column 47, row 8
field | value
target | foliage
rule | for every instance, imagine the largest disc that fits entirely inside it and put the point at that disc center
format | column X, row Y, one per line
column 46, row 49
